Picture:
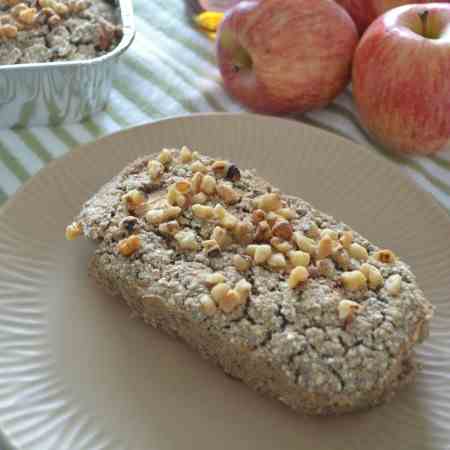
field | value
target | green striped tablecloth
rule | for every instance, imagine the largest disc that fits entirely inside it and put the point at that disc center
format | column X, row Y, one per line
column 170, row 70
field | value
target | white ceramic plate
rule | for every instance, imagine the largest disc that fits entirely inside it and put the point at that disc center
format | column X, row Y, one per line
column 77, row 373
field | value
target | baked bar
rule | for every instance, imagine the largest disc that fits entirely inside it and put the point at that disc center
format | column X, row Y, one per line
column 277, row 293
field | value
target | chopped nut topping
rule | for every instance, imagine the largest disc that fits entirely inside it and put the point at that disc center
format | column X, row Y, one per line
column 8, row 31
column 312, row 230
column 73, row 231
column 187, row 240
column 326, row 268
column 198, row 166
column 155, row 170
column 207, row 305
column 373, row 275
column 277, row 261
column 347, row 309
column 333, row 234
column 297, row 276
column 262, row 253
column 243, row 288
column 185, row 155
column 283, row 229
column 280, row 245
column 304, row 243
column 203, row 212
column 230, row 301
column 197, row 180
column 242, row 263
column 195, row 155
column 16, row 10
column 346, row 239
column 272, row 217
column 325, row 248
column 133, row 199
column 221, row 236
column 165, row 157
column 258, row 215
column 229, row 221
column 233, row 173
column 227, row 194
column 169, row 228
column 299, row 258
column 263, row 232
column 157, row 216
column 208, row 185
column 244, row 232
column 354, row 280
column 214, row 278
column 385, row 256
column 130, row 245
column 183, row 186
column 358, row 252
column 27, row 16
column 269, row 202
column 287, row 213
column 394, row 284
column 219, row 212
column 220, row 167
column 342, row 259
column 211, row 247
column 199, row 199
column 219, row 291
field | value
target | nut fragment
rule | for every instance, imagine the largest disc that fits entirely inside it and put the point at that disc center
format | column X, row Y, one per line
column 287, row 213
column 354, row 280
column 269, row 202
column 8, row 31
column 347, row 309
column 244, row 232
column 299, row 258
column 211, row 247
column 133, row 199
column 221, row 236
column 258, row 215
column 342, row 259
column 325, row 248
column 229, row 221
column 214, row 278
column 346, row 239
column 242, row 263
column 283, row 229
column 394, row 284
column 262, row 253
column 385, row 256
column 183, row 186
column 333, row 234
column 128, row 246
column 169, row 228
column 208, row 185
column 280, row 245
column 16, row 10
column 243, row 288
column 165, row 156
column 311, row 230
column 203, row 212
column 198, row 166
column 220, row 167
column 277, row 261
column 219, row 291
column 373, row 275
column 157, row 215
column 297, row 276
column 358, row 252
column 27, row 16
column 73, row 231
column 60, row 8
column 199, row 199
column 263, row 232
column 187, row 240
column 185, row 155
column 230, row 301
column 304, row 243
column 207, row 305
column 227, row 194
column 155, row 169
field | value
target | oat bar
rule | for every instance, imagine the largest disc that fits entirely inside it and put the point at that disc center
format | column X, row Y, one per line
column 278, row 294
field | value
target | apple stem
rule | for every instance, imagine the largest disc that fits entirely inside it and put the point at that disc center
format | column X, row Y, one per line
column 424, row 18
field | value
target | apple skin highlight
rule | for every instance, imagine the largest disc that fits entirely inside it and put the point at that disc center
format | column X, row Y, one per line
column 401, row 81
column 283, row 56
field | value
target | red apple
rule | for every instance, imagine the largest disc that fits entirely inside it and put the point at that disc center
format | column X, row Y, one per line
column 281, row 56
column 364, row 12
column 401, row 78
